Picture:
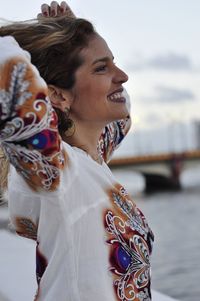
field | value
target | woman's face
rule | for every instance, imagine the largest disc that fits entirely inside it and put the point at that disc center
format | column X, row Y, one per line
column 97, row 93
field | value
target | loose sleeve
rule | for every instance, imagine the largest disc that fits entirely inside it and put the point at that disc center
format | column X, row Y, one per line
column 28, row 123
column 114, row 133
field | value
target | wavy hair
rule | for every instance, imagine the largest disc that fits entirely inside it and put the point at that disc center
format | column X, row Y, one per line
column 54, row 45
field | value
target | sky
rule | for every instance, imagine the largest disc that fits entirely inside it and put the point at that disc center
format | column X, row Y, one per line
column 155, row 42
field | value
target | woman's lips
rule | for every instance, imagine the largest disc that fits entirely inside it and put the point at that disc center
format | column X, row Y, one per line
column 117, row 97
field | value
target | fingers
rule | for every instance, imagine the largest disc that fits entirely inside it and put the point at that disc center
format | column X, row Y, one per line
column 39, row 16
column 56, row 10
column 50, row 11
column 66, row 10
column 45, row 9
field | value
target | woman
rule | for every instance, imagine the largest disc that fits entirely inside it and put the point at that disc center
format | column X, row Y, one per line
column 93, row 243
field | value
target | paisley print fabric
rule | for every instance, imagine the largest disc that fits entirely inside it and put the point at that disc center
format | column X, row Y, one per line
column 114, row 133
column 112, row 136
column 28, row 123
column 26, row 228
column 130, row 242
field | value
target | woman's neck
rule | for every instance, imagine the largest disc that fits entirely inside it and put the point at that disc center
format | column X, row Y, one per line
column 86, row 138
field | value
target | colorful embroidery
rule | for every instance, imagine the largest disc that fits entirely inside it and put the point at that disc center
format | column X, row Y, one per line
column 17, row 93
column 112, row 136
column 26, row 228
column 130, row 240
column 29, row 134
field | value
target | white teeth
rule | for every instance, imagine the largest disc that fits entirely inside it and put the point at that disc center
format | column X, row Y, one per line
column 115, row 95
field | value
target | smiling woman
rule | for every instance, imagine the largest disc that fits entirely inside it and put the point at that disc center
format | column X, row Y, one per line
column 97, row 94
column 61, row 191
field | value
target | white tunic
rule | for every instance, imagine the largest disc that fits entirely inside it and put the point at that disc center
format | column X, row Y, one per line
column 73, row 256
column 93, row 243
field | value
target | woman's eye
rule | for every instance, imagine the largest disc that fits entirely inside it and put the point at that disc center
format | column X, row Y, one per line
column 101, row 68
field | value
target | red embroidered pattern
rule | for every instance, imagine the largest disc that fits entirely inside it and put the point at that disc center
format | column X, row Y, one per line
column 130, row 242
column 29, row 134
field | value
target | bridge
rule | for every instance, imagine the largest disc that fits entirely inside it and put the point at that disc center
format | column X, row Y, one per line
column 161, row 171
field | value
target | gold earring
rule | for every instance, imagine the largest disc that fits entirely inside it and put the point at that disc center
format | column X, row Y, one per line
column 70, row 125
column 66, row 126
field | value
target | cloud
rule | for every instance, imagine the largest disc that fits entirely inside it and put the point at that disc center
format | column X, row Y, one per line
column 170, row 94
column 170, row 62
column 164, row 94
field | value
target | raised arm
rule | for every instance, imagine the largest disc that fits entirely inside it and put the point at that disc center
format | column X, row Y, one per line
column 28, row 124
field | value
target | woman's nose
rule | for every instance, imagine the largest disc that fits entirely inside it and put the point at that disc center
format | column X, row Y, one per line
column 120, row 76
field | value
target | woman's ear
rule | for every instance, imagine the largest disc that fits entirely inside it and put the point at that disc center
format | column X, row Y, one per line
column 59, row 98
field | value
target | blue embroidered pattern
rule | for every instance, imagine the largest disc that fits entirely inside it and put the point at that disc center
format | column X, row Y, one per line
column 130, row 240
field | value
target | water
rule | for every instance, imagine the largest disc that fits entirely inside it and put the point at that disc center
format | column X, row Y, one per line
column 175, row 220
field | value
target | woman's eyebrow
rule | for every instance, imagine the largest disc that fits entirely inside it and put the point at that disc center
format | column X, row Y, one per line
column 103, row 59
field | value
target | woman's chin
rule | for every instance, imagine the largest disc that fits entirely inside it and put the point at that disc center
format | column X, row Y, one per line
column 122, row 114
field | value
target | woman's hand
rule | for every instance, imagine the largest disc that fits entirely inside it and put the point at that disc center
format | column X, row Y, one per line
column 56, row 10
